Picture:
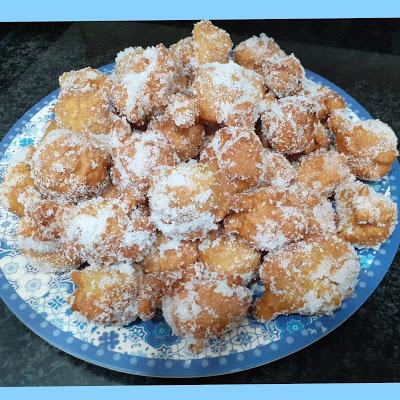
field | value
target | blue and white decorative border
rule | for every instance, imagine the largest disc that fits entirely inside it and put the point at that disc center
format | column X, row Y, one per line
column 298, row 332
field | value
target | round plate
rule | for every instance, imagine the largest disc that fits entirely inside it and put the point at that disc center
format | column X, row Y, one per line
column 148, row 348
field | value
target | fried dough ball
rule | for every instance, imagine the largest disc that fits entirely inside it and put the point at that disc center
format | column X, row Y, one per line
column 18, row 188
column 186, row 142
column 143, row 81
column 126, row 196
column 164, row 267
column 271, row 217
column 370, row 145
column 289, row 125
column 229, row 255
column 41, row 251
column 107, row 295
column 210, row 43
column 68, row 166
column 276, row 169
column 252, row 53
column 139, row 159
column 205, row 307
column 283, row 75
column 366, row 218
column 323, row 171
column 103, row 232
column 46, row 217
column 188, row 200
column 308, row 278
column 84, row 104
column 236, row 152
column 183, row 56
column 324, row 98
column 183, row 110
column 207, row 44
column 228, row 93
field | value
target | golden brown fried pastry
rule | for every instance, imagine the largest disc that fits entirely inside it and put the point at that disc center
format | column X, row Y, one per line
column 236, row 152
column 283, row 75
column 164, row 268
column 68, row 166
column 230, row 256
column 186, row 142
column 270, row 217
column 42, row 250
column 276, row 170
column 84, row 104
column 228, row 93
column 366, row 218
column 323, row 171
column 325, row 99
column 138, row 160
column 188, row 200
column 289, row 125
column 107, row 295
column 312, row 277
column 207, row 44
column 370, row 145
column 210, row 43
column 253, row 52
column 18, row 188
column 184, row 60
column 143, row 81
column 125, row 196
column 183, row 110
column 103, row 232
column 205, row 307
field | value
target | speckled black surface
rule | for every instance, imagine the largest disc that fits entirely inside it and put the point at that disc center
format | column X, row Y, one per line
column 363, row 349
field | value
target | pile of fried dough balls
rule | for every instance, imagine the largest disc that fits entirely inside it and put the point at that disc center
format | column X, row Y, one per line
column 193, row 171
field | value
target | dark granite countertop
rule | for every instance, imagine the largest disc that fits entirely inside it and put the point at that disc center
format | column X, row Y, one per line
column 362, row 57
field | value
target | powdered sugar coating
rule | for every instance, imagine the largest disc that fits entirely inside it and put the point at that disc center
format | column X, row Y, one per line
column 188, row 200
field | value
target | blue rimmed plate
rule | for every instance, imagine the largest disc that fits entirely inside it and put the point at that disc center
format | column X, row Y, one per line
column 149, row 348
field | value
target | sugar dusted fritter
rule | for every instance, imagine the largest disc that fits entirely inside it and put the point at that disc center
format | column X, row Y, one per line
column 164, row 267
column 107, row 295
column 138, row 159
column 370, row 145
column 210, row 43
column 186, row 141
column 236, row 152
column 229, row 255
column 270, row 217
column 289, row 125
column 42, row 250
column 312, row 277
column 365, row 218
column 84, row 104
column 18, row 188
column 228, row 93
column 188, row 200
column 207, row 44
column 68, row 166
column 322, row 171
column 276, row 170
column 104, row 232
column 130, row 198
column 143, row 81
column 205, row 306
column 325, row 99
column 252, row 52
column 183, row 110
column 283, row 75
